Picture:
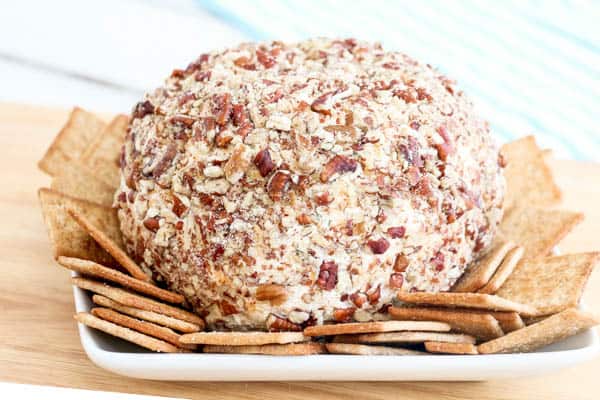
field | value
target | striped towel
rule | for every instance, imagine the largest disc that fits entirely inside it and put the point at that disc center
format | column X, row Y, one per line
column 530, row 67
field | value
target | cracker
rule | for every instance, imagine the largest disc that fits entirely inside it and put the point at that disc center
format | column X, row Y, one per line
column 405, row 337
column 71, row 141
column 102, row 154
column 528, row 178
column 98, row 232
column 509, row 321
column 243, row 338
column 552, row 284
column 479, row 272
column 293, row 349
column 503, row 272
column 74, row 179
column 366, row 350
column 140, row 339
column 67, row 237
column 482, row 325
column 159, row 319
column 552, row 329
column 134, row 300
column 90, row 268
column 150, row 329
column 378, row 326
column 467, row 300
column 450, row 348
column 538, row 230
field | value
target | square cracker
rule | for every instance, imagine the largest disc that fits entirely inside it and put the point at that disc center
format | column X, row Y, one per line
column 376, row 326
column 103, row 153
column 405, row 337
column 367, row 350
column 552, row 284
column 291, row 349
column 159, row 319
column 132, row 336
column 81, row 128
column 482, row 325
column 528, row 178
column 509, row 321
column 552, row 329
column 480, row 272
column 538, row 230
column 243, row 338
column 468, row 300
column 92, row 269
column 134, row 300
column 451, row 348
column 67, row 237
column 503, row 271
column 76, row 180
column 101, row 232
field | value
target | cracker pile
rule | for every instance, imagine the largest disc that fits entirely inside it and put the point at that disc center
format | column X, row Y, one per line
column 515, row 298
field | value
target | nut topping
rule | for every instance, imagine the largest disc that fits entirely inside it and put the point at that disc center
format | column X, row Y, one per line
column 142, row 109
column 343, row 314
column 338, row 164
column 278, row 324
column 327, row 275
column 152, row 224
column 279, row 185
column 263, row 162
column 378, row 246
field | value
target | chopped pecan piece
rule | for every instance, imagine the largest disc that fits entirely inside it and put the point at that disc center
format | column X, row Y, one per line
column 265, row 59
column 178, row 207
column 244, row 62
column 277, row 324
column 396, row 232
column 279, row 185
column 263, row 162
column 343, row 314
column 378, row 246
column 323, row 199
column 338, row 164
column 183, row 120
column 142, row 109
column 236, row 166
column 303, row 219
column 152, row 224
column 223, row 109
column 327, row 275
column 374, row 295
column 320, row 105
column 222, row 140
column 227, row 308
column 358, row 298
column 438, row 261
column 396, row 280
column 400, row 263
column 275, row 294
column 446, row 148
column 165, row 161
column 202, row 76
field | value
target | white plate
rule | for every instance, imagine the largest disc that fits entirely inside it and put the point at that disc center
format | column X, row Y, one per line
column 127, row 359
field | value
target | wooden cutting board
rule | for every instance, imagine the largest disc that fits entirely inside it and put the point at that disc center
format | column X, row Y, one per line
column 39, row 343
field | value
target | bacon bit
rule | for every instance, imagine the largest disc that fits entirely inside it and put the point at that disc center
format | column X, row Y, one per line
column 343, row 314
column 423, row 95
column 265, row 59
column 223, row 109
column 327, row 275
column 183, row 120
column 277, row 324
column 303, row 219
column 323, row 199
column 447, row 148
column 278, row 185
column 391, row 65
column 378, row 246
column 166, row 160
column 358, row 299
column 244, row 62
column 338, row 164
column 263, row 162
column 202, row 76
column 178, row 207
column 396, row 280
column 227, row 308
column 396, row 232
column 152, row 224
column 438, row 261
column 400, row 263
column 374, row 295
column 142, row 109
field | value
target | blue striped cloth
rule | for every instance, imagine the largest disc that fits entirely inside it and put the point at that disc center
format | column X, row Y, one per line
column 530, row 67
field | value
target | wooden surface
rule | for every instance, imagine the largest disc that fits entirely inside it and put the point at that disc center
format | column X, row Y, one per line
column 39, row 343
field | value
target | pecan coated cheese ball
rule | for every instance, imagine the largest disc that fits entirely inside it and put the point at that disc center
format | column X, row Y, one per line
column 282, row 185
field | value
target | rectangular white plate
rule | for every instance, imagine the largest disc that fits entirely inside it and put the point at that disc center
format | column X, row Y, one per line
column 127, row 359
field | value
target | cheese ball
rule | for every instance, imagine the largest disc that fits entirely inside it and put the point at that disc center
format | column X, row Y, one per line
column 279, row 185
